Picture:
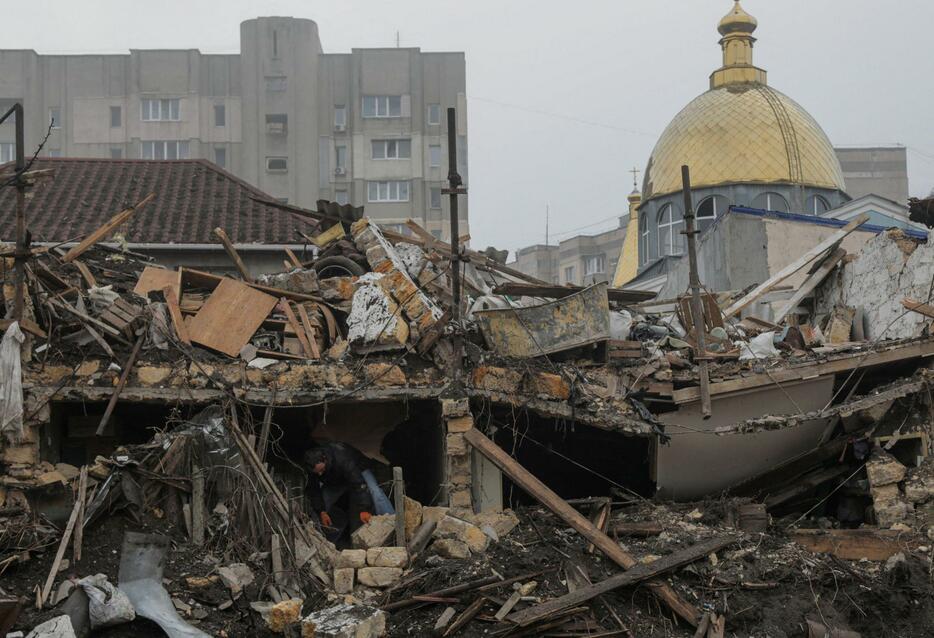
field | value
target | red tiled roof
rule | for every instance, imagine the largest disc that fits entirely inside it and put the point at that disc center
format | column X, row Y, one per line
column 192, row 198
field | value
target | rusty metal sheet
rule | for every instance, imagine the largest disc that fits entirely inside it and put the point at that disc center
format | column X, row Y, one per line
column 532, row 331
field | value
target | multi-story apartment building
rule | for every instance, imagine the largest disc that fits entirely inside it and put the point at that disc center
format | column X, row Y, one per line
column 367, row 128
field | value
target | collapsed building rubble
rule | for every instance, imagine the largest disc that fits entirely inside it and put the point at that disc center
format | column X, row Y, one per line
column 535, row 443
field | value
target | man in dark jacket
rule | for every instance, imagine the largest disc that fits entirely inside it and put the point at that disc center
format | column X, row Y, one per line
column 336, row 488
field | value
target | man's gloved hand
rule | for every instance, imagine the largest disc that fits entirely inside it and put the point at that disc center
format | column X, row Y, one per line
column 365, row 517
column 325, row 519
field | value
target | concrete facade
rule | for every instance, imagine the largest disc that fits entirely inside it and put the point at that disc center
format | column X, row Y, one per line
column 580, row 260
column 367, row 128
column 879, row 170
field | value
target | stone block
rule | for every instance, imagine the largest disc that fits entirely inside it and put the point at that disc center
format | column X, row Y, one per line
column 501, row 522
column 27, row 454
column 459, row 425
column 553, row 386
column 352, row 558
column 434, row 513
column 385, row 374
column 379, row 576
column 885, row 495
column 336, row 288
column 283, row 615
column 345, row 620
column 459, row 529
column 919, row 489
column 456, row 444
column 151, row 375
column 359, row 226
column 460, row 499
column 884, row 469
column 413, row 516
column 387, row 557
column 497, row 379
column 376, row 533
column 454, row 408
column 375, row 254
column 344, row 580
column 450, row 548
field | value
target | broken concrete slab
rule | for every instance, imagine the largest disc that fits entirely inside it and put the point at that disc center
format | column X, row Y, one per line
column 345, row 621
column 376, row 533
column 379, row 576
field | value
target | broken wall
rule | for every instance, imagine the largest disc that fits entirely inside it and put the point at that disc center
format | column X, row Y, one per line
column 888, row 268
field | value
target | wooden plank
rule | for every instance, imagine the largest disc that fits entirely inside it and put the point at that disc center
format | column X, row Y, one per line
column 62, row 546
column 508, row 605
column 79, row 523
column 830, row 243
column 210, row 281
column 854, row 544
column 153, row 278
column 918, row 306
column 293, row 321
column 171, row 301
column 466, row 616
column 558, row 292
column 812, row 370
column 332, row 234
column 113, row 332
column 637, row 574
column 197, row 505
column 264, row 433
column 309, row 331
column 293, row 259
column 398, row 495
column 85, row 273
column 233, row 254
column 230, row 316
column 535, row 488
column 105, row 230
column 124, row 374
column 26, row 325
column 275, row 553
column 812, row 282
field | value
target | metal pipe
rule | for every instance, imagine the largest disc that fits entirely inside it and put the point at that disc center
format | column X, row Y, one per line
column 697, row 308
column 454, row 189
column 19, row 258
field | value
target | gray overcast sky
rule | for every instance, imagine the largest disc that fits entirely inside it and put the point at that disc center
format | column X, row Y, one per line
column 566, row 97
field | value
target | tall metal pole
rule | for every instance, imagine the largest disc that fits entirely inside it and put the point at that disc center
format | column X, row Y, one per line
column 697, row 308
column 21, row 254
column 453, row 190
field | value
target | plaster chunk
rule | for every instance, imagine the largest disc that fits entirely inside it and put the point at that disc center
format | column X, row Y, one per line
column 345, row 620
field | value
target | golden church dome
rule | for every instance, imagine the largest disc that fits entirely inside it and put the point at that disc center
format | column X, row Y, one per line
column 741, row 130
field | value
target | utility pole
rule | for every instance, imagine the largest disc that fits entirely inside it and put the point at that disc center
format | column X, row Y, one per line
column 453, row 190
column 547, row 212
column 697, row 308
column 21, row 254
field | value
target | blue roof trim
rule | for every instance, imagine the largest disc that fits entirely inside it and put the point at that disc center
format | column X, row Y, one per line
column 822, row 221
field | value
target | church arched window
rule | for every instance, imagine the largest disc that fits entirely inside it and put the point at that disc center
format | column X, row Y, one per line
column 670, row 223
column 643, row 239
column 771, row 201
column 709, row 209
column 817, row 205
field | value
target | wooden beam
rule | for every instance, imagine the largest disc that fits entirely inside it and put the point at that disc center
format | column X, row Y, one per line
column 557, row 292
column 293, row 322
column 812, row 370
column 26, row 325
column 398, row 495
column 124, row 374
column 197, row 505
column 637, row 574
column 309, row 331
column 812, row 282
column 79, row 523
column 62, row 546
column 181, row 330
column 918, row 306
column 535, row 488
column 854, row 544
column 830, row 243
column 211, row 281
column 105, row 230
column 85, row 273
column 292, row 258
column 233, row 254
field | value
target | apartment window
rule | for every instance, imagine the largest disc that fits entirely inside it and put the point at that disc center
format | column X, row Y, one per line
column 55, row 153
column 116, row 117
column 395, row 191
column 391, row 149
column 220, row 115
column 434, row 197
column 436, row 234
column 163, row 110
column 340, row 158
column 220, row 156
column 382, row 106
column 55, row 117
column 277, row 164
column 434, row 114
column 594, row 265
column 434, row 155
column 277, row 123
column 116, row 153
column 7, row 152
column 275, row 43
column 160, row 150
column 276, row 83
column 569, row 274
column 340, row 117
column 342, row 197
column 669, row 231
